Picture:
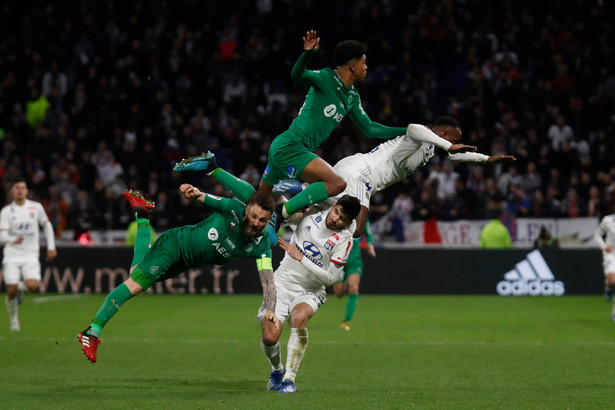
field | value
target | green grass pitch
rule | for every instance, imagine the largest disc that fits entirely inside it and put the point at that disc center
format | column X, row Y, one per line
column 202, row 352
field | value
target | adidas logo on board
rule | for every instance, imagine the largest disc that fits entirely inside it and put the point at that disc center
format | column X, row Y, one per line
column 532, row 276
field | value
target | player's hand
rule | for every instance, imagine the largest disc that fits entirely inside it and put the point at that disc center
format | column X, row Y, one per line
column 19, row 239
column 458, row 148
column 51, row 254
column 189, row 191
column 291, row 249
column 494, row 159
column 272, row 318
column 608, row 249
column 371, row 250
column 311, row 41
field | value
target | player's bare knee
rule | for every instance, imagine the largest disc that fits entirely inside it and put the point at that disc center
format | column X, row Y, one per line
column 270, row 339
column 610, row 278
column 299, row 320
column 336, row 187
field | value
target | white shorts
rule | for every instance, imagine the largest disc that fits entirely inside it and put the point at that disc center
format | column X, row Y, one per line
column 25, row 270
column 286, row 300
column 608, row 262
column 358, row 181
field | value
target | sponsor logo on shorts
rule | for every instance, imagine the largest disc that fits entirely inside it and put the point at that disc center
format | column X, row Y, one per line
column 291, row 171
column 212, row 234
column 532, row 276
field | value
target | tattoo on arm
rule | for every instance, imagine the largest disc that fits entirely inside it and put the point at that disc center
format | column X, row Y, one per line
column 269, row 295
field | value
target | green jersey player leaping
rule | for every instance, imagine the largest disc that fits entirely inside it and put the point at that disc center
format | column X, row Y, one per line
column 233, row 231
column 332, row 96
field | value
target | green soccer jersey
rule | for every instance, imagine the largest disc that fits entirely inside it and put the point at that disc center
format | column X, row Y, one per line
column 217, row 240
column 328, row 101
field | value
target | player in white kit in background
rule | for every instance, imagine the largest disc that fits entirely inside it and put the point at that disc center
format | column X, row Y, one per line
column 315, row 258
column 20, row 234
column 605, row 237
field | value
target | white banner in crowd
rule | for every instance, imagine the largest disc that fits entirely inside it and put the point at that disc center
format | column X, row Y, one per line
column 571, row 233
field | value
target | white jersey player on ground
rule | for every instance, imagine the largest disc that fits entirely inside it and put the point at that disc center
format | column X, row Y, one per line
column 605, row 237
column 393, row 160
column 315, row 258
column 20, row 234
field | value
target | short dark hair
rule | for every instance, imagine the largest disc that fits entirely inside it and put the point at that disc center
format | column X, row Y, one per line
column 348, row 50
column 266, row 202
column 447, row 121
column 18, row 180
column 350, row 206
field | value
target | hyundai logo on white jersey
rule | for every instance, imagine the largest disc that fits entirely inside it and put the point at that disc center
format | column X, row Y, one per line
column 312, row 250
column 532, row 276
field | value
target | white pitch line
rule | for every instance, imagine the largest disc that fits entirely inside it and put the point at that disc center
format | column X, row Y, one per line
column 45, row 299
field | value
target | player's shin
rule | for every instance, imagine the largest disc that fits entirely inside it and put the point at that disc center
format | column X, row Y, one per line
column 274, row 355
column 297, row 344
column 110, row 306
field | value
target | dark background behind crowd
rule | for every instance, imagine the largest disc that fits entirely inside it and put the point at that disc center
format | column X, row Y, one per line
column 99, row 96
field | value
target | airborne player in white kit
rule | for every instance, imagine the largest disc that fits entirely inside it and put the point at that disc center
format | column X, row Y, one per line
column 393, row 160
column 315, row 258
column 19, row 232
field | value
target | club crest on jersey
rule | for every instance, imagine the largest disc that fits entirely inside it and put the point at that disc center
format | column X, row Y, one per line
column 312, row 251
column 318, row 219
column 212, row 234
column 232, row 225
column 248, row 247
column 329, row 245
column 330, row 110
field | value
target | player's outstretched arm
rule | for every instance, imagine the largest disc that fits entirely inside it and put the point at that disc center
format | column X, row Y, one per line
column 459, row 148
column 494, row 159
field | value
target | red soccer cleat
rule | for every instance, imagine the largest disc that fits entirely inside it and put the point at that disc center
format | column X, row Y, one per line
column 138, row 202
column 89, row 344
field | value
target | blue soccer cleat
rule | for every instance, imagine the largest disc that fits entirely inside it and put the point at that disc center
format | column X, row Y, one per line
column 287, row 387
column 289, row 187
column 205, row 162
column 275, row 380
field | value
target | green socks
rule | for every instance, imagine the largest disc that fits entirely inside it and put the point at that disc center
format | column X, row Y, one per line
column 143, row 240
column 351, row 305
column 314, row 193
column 110, row 306
column 239, row 188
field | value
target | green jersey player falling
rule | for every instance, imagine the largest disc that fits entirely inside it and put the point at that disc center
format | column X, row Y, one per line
column 233, row 231
column 331, row 97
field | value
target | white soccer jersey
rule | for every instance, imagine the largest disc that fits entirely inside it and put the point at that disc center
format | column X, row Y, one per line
column 321, row 247
column 606, row 229
column 393, row 160
column 24, row 220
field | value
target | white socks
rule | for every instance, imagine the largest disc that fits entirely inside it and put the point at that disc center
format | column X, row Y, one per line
column 274, row 355
column 12, row 304
column 297, row 344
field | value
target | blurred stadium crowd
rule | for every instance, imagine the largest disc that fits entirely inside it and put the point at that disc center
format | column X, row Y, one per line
column 99, row 96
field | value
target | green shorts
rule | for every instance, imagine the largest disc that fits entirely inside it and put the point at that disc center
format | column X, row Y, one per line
column 287, row 159
column 353, row 265
column 160, row 262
